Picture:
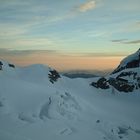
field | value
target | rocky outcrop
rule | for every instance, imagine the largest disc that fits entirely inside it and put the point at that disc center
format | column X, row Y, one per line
column 11, row 65
column 125, row 78
column 101, row 83
column 121, row 84
column 53, row 76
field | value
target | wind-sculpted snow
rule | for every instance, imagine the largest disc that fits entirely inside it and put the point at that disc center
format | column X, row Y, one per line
column 60, row 106
column 44, row 111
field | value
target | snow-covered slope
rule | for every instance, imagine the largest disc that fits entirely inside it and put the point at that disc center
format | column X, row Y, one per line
column 37, row 103
column 131, row 61
column 35, row 73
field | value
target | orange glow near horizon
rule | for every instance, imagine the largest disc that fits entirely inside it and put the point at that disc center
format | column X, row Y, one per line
column 62, row 63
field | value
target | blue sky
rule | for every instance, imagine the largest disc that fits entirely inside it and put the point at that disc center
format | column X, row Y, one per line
column 68, row 29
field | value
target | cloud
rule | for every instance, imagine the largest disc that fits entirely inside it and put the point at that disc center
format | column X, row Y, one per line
column 11, row 31
column 106, row 54
column 87, row 6
column 8, row 52
column 19, row 42
column 125, row 41
column 133, row 42
column 34, row 42
column 119, row 40
column 98, row 33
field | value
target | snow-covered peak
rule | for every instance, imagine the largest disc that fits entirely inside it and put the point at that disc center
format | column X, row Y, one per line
column 134, row 56
column 125, row 78
column 131, row 61
column 35, row 67
column 37, row 73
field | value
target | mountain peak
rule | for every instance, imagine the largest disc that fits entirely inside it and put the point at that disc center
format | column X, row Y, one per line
column 131, row 61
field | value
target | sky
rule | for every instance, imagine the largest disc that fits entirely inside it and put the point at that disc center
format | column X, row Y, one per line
column 69, row 34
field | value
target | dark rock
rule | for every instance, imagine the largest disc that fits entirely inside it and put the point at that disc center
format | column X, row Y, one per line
column 53, row 76
column 133, row 64
column 11, row 65
column 101, row 83
column 121, row 85
column 130, row 73
column 1, row 65
column 138, row 80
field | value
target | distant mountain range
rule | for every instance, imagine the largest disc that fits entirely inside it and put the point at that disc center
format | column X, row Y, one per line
column 85, row 74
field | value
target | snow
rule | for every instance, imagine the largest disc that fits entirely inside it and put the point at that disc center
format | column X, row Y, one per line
column 134, row 56
column 32, row 108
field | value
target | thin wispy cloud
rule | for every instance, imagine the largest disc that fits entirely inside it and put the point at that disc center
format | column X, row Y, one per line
column 105, row 54
column 74, row 12
column 90, row 5
column 97, row 34
column 12, row 31
column 34, row 42
column 24, row 53
column 126, row 41
column 21, row 42
column 8, row 52
column 133, row 42
column 119, row 40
